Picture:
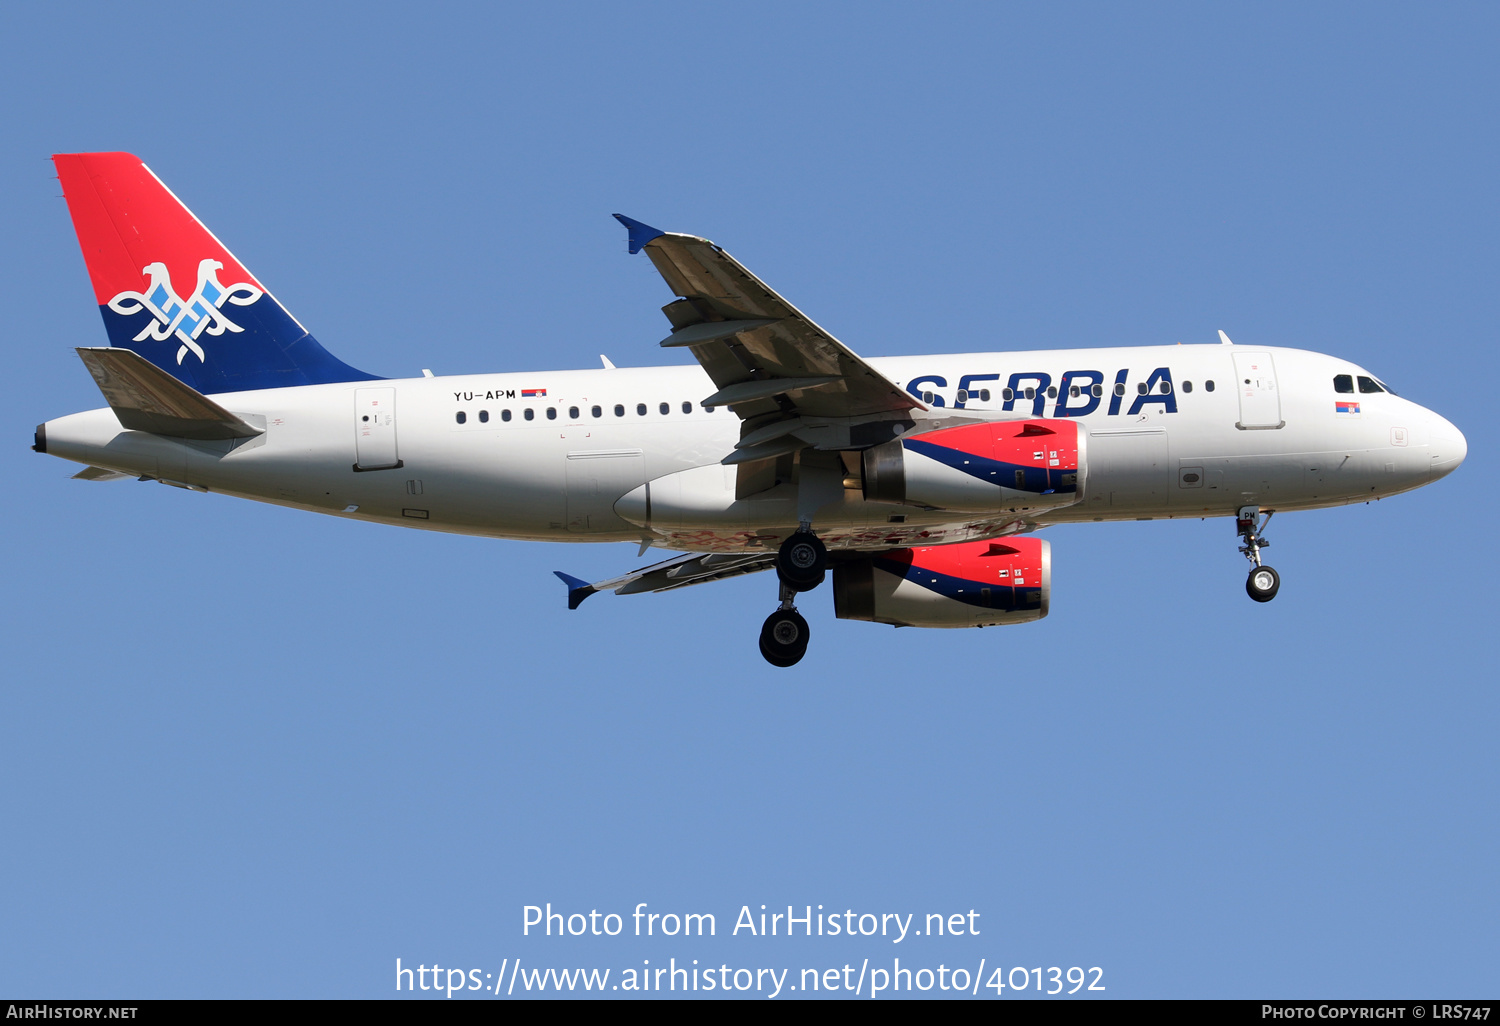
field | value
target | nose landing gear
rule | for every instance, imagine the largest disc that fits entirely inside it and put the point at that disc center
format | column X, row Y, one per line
column 801, row 564
column 1263, row 582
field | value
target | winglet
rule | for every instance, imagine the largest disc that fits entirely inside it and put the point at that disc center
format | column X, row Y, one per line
column 640, row 233
column 577, row 590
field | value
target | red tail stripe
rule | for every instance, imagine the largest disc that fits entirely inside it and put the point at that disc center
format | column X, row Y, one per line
column 126, row 218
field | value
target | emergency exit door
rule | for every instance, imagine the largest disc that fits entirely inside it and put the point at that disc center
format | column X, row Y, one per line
column 375, row 429
column 1260, row 401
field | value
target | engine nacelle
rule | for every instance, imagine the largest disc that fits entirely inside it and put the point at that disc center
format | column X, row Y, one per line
column 1014, row 465
column 973, row 584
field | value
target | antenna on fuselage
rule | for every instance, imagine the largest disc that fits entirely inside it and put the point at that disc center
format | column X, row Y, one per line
column 1224, row 339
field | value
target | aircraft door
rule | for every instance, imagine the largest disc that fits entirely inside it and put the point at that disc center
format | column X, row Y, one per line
column 1260, row 402
column 375, row 429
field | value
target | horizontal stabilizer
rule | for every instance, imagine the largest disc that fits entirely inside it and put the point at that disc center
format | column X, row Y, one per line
column 147, row 398
column 100, row 474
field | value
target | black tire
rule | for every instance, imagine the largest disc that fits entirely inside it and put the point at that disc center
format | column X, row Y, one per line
column 783, row 638
column 1263, row 584
column 802, row 561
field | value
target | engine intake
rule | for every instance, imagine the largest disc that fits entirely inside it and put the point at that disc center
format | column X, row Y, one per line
column 972, row 584
column 1015, row 465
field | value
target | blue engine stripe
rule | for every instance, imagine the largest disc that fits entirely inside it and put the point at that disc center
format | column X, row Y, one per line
column 997, row 472
column 1002, row 597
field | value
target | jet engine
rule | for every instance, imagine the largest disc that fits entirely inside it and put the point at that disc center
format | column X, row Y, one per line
column 972, row 584
column 1011, row 465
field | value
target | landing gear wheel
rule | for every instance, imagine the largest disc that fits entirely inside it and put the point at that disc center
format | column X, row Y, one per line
column 1262, row 584
column 783, row 639
column 802, row 561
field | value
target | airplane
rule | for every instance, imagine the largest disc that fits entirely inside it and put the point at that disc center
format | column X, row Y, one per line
column 916, row 482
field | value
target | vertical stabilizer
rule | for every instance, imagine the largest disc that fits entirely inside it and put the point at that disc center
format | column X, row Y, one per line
column 173, row 293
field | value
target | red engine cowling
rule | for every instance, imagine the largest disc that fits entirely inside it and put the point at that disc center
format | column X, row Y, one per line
column 1014, row 464
column 973, row 584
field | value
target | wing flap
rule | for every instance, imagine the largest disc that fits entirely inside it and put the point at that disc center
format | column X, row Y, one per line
column 745, row 334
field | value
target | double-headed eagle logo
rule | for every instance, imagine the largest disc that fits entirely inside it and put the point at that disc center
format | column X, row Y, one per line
column 186, row 319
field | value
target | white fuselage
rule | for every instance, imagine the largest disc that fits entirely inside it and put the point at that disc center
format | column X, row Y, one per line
column 470, row 460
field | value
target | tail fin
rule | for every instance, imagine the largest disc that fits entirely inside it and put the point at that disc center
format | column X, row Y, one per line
column 142, row 245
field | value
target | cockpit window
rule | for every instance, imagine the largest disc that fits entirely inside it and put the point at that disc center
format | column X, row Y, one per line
column 1383, row 385
column 1343, row 383
column 1368, row 385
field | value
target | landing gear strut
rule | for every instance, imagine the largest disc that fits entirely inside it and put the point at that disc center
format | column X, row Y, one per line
column 783, row 639
column 1263, row 582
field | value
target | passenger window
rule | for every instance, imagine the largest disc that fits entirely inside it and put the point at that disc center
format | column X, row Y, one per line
column 1208, row 386
column 962, row 395
column 597, row 411
column 1031, row 393
column 1073, row 391
column 1008, row 394
column 461, row 416
column 665, row 409
column 687, row 407
column 1141, row 388
column 484, row 416
column 1368, row 385
column 640, row 409
column 1343, row 383
column 572, row 413
column 619, row 410
column 552, row 413
column 927, row 398
column 1051, row 391
column 984, row 395
column 1119, row 388
column 1187, row 386
column 1097, row 390
column 708, row 409
column 505, row 415
column 530, row 413
column 1166, row 387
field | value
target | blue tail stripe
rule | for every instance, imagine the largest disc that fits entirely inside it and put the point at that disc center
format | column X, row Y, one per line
column 271, row 351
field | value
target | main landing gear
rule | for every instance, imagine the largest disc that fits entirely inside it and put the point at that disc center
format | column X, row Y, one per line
column 1263, row 582
column 801, row 564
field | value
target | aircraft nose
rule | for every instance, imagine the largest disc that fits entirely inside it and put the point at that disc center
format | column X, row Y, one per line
column 1448, row 447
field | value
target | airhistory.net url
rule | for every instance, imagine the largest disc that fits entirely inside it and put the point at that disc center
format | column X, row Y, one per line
column 690, row 977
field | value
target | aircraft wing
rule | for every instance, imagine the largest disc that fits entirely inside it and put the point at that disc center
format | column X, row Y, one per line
column 678, row 572
column 770, row 362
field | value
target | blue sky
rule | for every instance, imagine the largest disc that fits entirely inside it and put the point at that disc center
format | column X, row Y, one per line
column 254, row 752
